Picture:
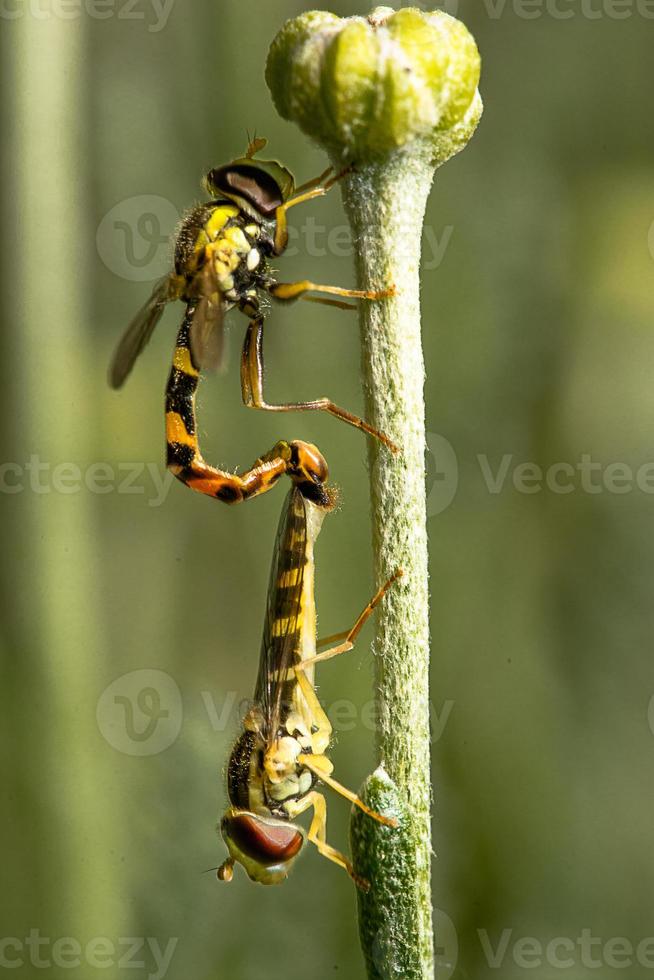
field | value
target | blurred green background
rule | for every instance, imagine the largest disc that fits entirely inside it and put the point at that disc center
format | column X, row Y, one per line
column 539, row 343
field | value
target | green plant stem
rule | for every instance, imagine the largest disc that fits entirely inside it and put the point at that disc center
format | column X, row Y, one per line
column 385, row 202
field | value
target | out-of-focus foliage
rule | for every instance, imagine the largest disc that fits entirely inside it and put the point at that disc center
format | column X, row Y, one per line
column 539, row 342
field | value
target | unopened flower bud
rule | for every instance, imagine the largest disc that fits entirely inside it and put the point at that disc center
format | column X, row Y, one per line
column 363, row 87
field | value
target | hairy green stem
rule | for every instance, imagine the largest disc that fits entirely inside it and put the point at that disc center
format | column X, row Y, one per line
column 396, row 94
column 385, row 202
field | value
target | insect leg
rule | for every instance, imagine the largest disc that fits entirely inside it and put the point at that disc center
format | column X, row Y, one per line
column 301, row 461
column 317, row 834
column 321, row 737
column 338, row 303
column 252, row 371
column 315, row 764
column 316, row 182
column 287, row 292
column 307, row 192
column 349, row 636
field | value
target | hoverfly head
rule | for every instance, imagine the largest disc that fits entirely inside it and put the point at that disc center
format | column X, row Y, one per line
column 259, row 187
column 265, row 846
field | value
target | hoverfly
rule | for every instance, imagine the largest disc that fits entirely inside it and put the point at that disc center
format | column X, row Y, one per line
column 221, row 262
column 280, row 757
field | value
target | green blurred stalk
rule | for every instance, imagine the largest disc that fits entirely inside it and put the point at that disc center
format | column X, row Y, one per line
column 55, row 611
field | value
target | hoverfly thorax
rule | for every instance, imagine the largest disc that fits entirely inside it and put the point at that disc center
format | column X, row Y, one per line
column 257, row 187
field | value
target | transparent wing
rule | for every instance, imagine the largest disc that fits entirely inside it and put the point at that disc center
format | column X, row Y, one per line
column 281, row 633
column 207, row 334
column 139, row 332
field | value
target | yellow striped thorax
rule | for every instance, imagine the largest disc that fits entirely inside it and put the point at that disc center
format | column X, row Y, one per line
column 218, row 219
column 222, row 237
column 210, row 231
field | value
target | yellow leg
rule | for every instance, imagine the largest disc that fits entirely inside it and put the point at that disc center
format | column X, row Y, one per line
column 318, row 833
column 316, row 182
column 308, row 192
column 349, row 636
column 253, row 396
column 287, row 292
column 321, row 738
column 316, row 765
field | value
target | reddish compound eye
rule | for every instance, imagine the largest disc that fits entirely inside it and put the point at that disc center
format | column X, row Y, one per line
column 267, row 842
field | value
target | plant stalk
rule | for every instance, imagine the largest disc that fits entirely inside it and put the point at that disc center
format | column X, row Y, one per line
column 385, row 202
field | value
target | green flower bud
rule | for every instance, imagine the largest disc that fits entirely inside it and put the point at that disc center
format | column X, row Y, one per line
column 363, row 87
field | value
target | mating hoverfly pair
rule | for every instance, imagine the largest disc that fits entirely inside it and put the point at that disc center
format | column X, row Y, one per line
column 221, row 262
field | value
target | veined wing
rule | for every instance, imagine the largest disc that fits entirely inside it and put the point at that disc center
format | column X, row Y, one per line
column 207, row 329
column 281, row 634
column 139, row 332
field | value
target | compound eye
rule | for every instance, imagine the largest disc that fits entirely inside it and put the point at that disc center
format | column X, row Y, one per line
column 249, row 182
column 267, row 843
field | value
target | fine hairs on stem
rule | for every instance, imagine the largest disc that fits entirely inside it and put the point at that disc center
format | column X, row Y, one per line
column 385, row 204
